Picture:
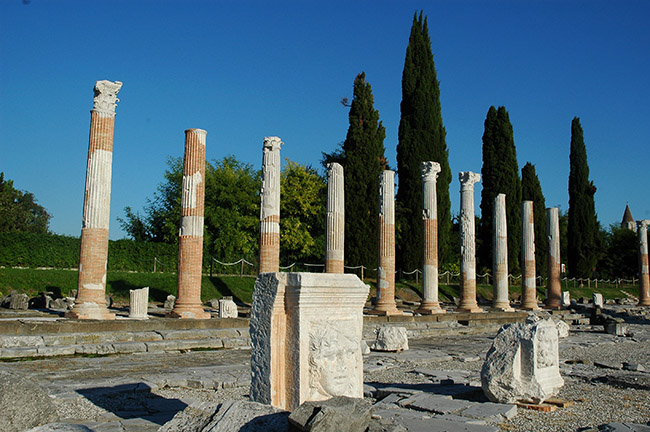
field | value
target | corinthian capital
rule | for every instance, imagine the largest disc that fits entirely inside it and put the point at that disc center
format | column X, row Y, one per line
column 429, row 170
column 106, row 99
column 272, row 143
column 468, row 179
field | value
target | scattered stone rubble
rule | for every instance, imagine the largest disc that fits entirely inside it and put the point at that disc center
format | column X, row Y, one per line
column 391, row 338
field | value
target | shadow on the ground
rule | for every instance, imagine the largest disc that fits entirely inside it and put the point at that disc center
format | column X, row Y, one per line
column 135, row 400
column 457, row 391
column 122, row 288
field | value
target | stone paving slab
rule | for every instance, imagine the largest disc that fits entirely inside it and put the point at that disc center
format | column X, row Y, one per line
column 490, row 411
column 435, row 403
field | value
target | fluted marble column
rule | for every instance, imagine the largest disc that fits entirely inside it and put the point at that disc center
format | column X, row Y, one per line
column 190, row 245
column 430, row 303
column 270, row 207
column 644, row 278
column 501, row 300
column 528, row 282
column 139, row 303
column 91, row 292
column 386, row 269
column 335, row 231
column 467, row 243
column 554, row 289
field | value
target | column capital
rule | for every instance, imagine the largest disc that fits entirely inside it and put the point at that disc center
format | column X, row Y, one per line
column 429, row 170
column 272, row 143
column 643, row 224
column 201, row 133
column 105, row 99
column 468, row 179
column 335, row 168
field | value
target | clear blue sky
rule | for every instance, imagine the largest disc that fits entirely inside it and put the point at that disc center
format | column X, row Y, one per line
column 244, row 70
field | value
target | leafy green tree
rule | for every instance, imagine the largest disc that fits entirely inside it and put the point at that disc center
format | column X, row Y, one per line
column 531, row 190
column 499, row 174
column 19, row 211
column 302, row 214
column 620, row 259
column 362, row 158
column 421, row 138
column 232, row 210
column 583, row 229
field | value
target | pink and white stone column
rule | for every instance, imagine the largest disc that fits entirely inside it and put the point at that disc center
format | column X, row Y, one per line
column 528, row 275
column 468, row 243
column 91, row 294
column 554, row 289
column 430, row 303
column 386, row 269
column 644, row 277
column 501, row 300
column 270, row 207
column 335, row 230
column 190, row 244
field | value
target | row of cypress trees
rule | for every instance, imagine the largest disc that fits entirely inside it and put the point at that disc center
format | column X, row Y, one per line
column 421, row 137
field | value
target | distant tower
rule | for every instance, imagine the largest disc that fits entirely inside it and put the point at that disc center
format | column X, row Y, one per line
column 628, row 220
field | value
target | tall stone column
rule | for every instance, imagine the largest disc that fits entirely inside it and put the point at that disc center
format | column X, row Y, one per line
column 386, row 269
column 554, row 289
column 335, row 231
column 501, row 300
column 528, row 282
column 644, row 278
column 91, row 292
column 430, row 303
column 467, row 243
column 270, row 207
column 190, row 244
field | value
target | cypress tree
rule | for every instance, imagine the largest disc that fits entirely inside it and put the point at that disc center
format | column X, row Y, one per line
column 362, row 159
column 421, row 138
column 583, row 229
column 531, row 190
column 499, row 174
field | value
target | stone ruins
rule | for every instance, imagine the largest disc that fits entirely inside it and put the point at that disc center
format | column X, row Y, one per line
column 644, row 273
column 430, row 303
column 306, row 331
column 227, row 307
column 500, row 255
column 270, row 206
column 335, row 229
column 385, row 304
column 90, row 302
column 467, row 243
column 139, row 303
column 190, row 242
column 528, row 275
column 554, row 289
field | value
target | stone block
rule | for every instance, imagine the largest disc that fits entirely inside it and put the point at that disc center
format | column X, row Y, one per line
column 434, row 403
column 246, row 416
column 490, row 411
column 597, row 300
column 192, row 419
column 624, row 427
column 237, row 343
column 339, row 414
column 616, row 328
column 59, row 339
column 101, row 348
column 59, row 350
column 129, row 347
column 562, row 329
column 61, row 427
column 18, row 352
column 391, row 338
column 23, row 404
column 305, row 333
column 20, row 341
column 227, row 307
column 170, row 302
column 523, row 362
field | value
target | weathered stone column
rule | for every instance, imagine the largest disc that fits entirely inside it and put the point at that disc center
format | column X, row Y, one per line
column 386, row 269
column 335, row 230
column 528, row 282
column 644, row 278
column 430, row 303
column 139, row 303
column 467, row 243
column 501, row 300
column 190, row 244
column 270, row 208
column 554, row 289
column 91, row 300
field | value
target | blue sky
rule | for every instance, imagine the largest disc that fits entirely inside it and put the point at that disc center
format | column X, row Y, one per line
column 243, row 70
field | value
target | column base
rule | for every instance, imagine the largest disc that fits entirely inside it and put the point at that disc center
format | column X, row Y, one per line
column 470, row 309
column 385, row 311
column 529, row 307
column 644, row 302
column 430, row 308
column 195, row 312
column 90, row 311
column 502, row 307
column 554, row 305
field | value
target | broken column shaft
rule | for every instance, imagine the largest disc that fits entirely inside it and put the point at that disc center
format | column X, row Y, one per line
column 644, row 277
column 335, row 230
column 528, row 282
column 430, row 303
column 554, row 289
column 500, row 255
column 91, row 294
column 386, row 269
column 270, row 207
column 190, row 244
column 467, row 243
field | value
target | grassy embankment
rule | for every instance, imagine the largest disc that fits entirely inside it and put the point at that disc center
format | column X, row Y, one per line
column 61, row 282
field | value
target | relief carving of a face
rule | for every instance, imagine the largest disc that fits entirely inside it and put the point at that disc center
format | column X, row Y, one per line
column 333, row 359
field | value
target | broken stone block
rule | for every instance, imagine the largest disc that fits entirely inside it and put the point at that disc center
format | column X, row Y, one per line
column 246, row 416
column 15, row 301
column 566, row 298
column 23, row 404
column 65, row 303
column 597, row 299
column 170, row 302
column 616, row 326
column 523, row 362
column 562, row 329
column 227, row 308
column 390, row 338
column 339, row 414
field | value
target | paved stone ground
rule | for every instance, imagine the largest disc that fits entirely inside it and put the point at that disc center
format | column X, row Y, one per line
column 140, row 392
